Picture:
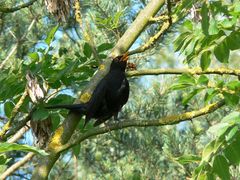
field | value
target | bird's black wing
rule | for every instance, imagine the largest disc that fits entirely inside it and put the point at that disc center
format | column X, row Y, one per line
column 123, row 92
column 97, row 106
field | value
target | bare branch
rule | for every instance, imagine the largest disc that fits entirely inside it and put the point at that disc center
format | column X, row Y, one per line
column 197, row 71
column 19, row 134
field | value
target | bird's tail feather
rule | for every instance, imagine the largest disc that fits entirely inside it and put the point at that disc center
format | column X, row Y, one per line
column 77, row 107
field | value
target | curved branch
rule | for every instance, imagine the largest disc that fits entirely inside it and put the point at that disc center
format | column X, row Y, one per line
column 197, row 71
column 10, row 10
column 168, row 120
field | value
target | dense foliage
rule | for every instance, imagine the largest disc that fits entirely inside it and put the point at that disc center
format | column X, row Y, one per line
column 199, row 53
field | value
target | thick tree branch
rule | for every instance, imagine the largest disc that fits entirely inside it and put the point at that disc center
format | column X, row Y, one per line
column 10, row 10
column 195, row 71
column 168, row 120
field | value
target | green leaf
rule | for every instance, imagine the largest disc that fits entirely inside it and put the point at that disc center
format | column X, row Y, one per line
column 232, row 152
column 40, row 114
column 237, row 7
column 221, row 52
column 186, row 78
column 227, row 24
column 203, row 80
column 76, row 149
column 87, row 50
column 211, row 93
column 178, row 43
column 233, row 132
column 220, row 83
column 231, row 99
column 180, row 86
column 207, row 151
column 62, row 51
column 205, row 60
column 4, row 159
column 55, row 118
column 233, row 85
column 232, row 40
column 104, row 47
column 221, row 167
column 188, row 25
column 213, row 28
column 205, row 18
column 33, row 56
column 5, row 147
column 186, row 159
column 191, row 95
column 232, row 118
column 220, row 129
column 8, row 107
column 51, row 35
column 61, row 99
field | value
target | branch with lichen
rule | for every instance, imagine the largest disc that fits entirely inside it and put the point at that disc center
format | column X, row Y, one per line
column 168, row 21
column 192, row 71
column 15, row 110
column 168, row 120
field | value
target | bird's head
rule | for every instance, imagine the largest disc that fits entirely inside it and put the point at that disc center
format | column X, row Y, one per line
column 120, row 62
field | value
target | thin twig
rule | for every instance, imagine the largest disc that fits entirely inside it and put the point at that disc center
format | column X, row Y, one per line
column 17, row 165
column 17, row 44
column 19, row 134
column 16, row 8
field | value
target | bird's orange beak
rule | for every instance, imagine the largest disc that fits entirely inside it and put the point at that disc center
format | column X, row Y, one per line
column 125, row 57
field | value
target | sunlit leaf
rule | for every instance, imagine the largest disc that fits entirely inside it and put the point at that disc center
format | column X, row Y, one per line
column 221, row 52
column 40, row 114
column 5, row 147
column 87, row 50
column 51, row 35
column 205, row 60
column 205, row 18
column 221, row 167
column 8, row 107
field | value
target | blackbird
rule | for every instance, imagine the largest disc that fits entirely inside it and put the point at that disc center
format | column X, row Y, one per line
column 109, row 96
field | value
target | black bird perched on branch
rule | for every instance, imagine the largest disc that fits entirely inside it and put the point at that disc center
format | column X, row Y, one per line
column 109, row 96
